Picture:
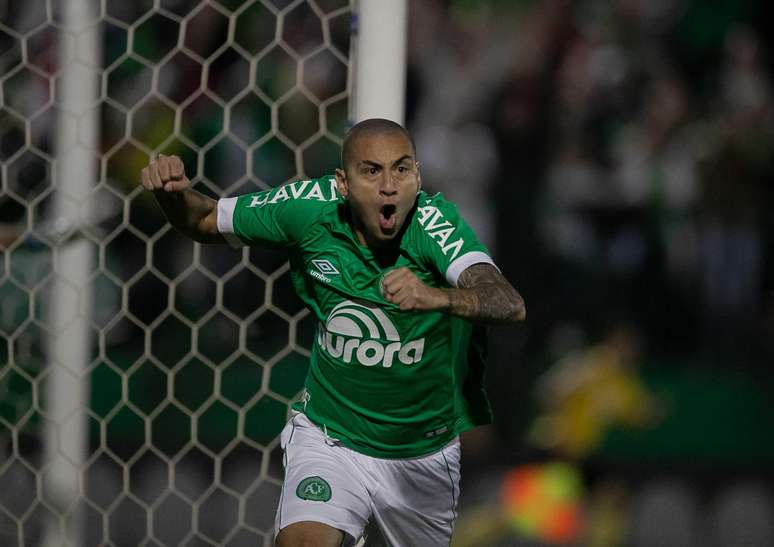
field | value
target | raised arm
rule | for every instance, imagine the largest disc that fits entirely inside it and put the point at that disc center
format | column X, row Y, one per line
column 482, row 294
column 192, row 213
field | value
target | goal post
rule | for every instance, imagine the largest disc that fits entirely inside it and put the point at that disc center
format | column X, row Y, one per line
column 144, row 378
column 380, row 60
column 69, row 340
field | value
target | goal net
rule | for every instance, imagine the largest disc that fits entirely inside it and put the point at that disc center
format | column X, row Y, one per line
column 196, row 352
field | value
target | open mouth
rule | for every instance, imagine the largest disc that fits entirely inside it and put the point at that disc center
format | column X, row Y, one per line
column 387, row 217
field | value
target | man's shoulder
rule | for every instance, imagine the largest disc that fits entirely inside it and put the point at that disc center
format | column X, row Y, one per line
column 436, row 200
column 434, row 211
column 307, row 194
column 284, row 214
column 438, row 226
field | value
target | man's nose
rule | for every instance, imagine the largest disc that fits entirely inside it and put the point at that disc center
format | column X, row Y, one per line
column 389, row 186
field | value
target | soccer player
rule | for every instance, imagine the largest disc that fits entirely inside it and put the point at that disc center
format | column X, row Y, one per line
column 402, row 290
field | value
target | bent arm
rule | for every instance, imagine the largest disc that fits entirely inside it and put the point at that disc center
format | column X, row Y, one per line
column 483, row 294
column 192, row 213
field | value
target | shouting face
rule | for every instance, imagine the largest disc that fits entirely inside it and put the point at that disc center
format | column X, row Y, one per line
column 380, row 180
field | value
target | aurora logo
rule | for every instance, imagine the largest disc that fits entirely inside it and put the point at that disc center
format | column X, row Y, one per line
column 365, row 333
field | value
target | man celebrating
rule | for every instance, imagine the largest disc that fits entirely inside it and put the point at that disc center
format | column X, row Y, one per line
column 401, row 287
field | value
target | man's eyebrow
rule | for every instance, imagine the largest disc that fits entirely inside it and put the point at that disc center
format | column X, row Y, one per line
column 396, row 162
column 372, row 163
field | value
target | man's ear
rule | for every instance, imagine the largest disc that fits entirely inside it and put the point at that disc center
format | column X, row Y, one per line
column 341, row 183
column 419, row 178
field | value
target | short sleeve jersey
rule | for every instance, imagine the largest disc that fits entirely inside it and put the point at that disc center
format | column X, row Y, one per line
column 385, row 382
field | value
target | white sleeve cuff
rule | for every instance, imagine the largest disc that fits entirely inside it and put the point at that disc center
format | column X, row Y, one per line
column 226, row 208
column 460, row 264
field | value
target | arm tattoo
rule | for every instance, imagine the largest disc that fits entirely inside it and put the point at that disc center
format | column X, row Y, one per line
column 485, row 295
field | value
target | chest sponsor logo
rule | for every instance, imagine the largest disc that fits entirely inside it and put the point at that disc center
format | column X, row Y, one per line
column 323, row 268
column 357, row 332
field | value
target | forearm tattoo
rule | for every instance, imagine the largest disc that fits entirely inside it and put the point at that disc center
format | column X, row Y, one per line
column 485, row 295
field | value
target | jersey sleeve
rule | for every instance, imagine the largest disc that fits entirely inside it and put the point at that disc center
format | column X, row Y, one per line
column 278, row 217
column 446, row 240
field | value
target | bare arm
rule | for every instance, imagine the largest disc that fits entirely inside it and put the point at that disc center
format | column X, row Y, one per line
column 485, row 295
column 192, row 213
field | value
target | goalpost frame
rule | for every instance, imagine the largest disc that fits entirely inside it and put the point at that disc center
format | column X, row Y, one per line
column 69, row 341
column 380, row 32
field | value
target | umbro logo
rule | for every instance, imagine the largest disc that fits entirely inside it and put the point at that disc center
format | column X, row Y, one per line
column 324, row 269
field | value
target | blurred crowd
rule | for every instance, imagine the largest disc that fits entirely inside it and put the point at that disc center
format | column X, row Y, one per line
column 616, row 155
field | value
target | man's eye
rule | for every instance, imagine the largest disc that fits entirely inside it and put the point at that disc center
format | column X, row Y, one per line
column 402, row 169
column 372, row 171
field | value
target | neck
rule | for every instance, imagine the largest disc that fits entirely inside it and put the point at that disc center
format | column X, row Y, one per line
column 376, row 245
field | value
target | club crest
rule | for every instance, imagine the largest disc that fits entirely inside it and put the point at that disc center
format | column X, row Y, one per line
column 314, row 489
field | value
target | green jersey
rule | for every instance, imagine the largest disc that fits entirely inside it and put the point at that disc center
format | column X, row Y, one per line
column 385, row 382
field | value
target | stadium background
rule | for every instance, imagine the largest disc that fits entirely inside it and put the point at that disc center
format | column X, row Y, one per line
column 615, row 156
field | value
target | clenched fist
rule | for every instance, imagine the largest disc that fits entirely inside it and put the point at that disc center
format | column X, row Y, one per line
column 405, row 289
column 167, row 173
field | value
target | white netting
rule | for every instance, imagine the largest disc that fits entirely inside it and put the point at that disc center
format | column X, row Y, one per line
column 197, row 351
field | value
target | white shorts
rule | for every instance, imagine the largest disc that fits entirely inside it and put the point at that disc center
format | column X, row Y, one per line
column 413, row 501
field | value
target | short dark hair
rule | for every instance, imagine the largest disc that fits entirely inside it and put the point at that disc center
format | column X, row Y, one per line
column 371, row 126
